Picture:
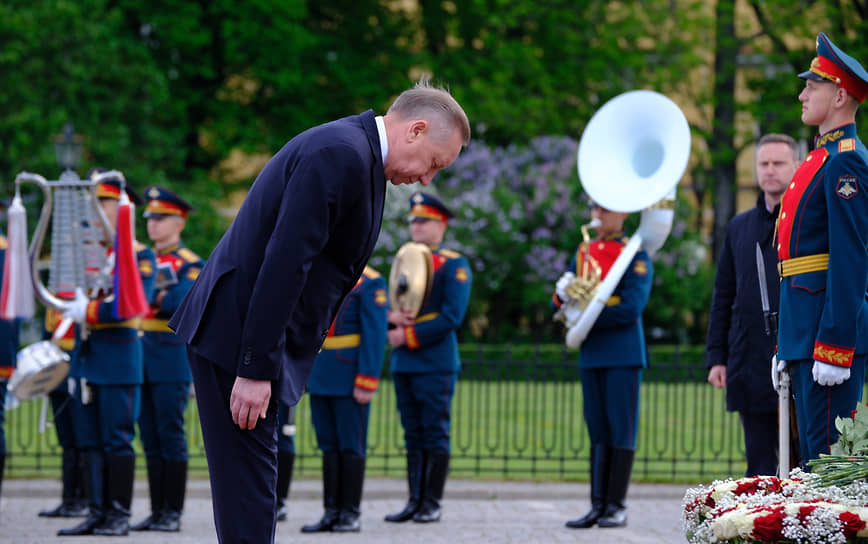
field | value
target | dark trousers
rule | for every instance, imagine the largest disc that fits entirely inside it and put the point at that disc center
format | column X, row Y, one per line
column 161, row 421
column 340, row 423
column 760, row 443
column 611, row 405
column 817, row 406
column 425, row 402
column 62, row 408
column 242, row 464
column 285, row 419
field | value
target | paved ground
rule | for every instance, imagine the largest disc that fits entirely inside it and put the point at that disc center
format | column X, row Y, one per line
column 473, row 511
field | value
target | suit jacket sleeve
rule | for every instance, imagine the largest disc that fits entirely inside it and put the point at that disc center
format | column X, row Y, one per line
column 320, row 187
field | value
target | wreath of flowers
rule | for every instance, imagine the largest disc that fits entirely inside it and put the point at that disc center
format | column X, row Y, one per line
column 763, row 509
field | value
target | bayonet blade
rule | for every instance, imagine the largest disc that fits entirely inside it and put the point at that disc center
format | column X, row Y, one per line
column 761, row 273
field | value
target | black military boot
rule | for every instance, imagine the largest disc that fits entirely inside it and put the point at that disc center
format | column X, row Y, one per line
column 94, row 477
column 331, row 478
column 71, row 505
column 436, row 469
column 599, row 481
column 415, row 473
column 156, row 492
column 285, row 461
column 352, row 480
column 619, row 480
column 120, row 473
column 174, row 490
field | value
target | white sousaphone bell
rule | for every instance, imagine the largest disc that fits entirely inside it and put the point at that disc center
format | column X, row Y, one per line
column 631, row 156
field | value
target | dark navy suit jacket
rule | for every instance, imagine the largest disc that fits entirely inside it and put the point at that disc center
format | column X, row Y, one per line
column 269, row 291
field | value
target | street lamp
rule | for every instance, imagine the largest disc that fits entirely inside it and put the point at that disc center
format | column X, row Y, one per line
column 67, row 148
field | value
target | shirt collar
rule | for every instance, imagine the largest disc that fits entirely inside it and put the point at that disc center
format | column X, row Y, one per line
column 384, row 142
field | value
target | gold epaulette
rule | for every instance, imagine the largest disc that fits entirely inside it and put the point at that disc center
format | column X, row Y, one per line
column 450, row 253
column 188, row 255
column 140, row 246
column 3, row 242
column 370, row 273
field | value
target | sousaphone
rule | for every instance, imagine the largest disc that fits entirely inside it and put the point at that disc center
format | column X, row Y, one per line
column 631, row 156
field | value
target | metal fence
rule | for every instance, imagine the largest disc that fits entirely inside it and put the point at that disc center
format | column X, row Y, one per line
column 513, row 417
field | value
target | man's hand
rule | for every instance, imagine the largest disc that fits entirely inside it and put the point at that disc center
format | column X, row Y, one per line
column 249, row 401
column 362, row 396
column 561, row 286
column 396, row 337
column 401, row 318
column 778, row 366
column 717, row 376
column 826, row 374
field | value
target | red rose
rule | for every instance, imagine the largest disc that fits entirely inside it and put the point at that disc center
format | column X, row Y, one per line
column 852, row 524
column 769, row 528
column 746, row 488
column 804, row 512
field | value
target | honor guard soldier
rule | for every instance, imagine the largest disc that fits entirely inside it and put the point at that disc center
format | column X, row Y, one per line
column 73, row 469
column 167, row 375
column 107, row 370
column 611, row 361
column 823, row 264
column 341, row 385
column 425, row 362
column 8, row 350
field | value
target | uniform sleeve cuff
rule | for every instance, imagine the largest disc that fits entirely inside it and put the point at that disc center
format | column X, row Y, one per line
column 92, row 315
column 834, row 355
column 367, row 382
column 410, row 337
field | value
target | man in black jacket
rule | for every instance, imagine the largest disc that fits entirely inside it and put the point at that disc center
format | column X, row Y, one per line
column 739, row 351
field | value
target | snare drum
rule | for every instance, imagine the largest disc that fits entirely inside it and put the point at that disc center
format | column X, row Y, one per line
column 39, row 368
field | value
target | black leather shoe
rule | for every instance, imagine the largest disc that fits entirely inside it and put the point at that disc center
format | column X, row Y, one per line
column 169, row 521
column 428, row 512
column 613, row 517
column 324, row 525
column 86, row 527
column 406, row 514
column 348, row 522
column 145, row 524
column 588, row 520
column 113, row 525
column 66, row 509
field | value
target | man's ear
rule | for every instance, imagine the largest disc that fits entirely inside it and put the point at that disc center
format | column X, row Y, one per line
column 416, row 129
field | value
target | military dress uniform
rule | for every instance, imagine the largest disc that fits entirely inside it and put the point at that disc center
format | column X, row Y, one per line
column 107, row 370
column 425, row 370
column 351, row 357
column 74, row 490
column 167, row 376
column 8, row 350
column 611, row 360
column 822, row 231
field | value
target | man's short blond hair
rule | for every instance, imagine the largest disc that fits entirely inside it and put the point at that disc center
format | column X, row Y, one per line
column 425, row 101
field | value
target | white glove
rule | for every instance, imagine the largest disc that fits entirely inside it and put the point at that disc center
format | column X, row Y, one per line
column 572, row 313
column 562, row 284
column 778, row 366
column 826, row 374
column 76, row 309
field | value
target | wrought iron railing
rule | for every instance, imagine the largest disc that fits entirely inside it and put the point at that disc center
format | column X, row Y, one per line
column 514, row 415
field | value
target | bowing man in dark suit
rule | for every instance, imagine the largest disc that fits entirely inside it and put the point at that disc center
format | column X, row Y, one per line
column 259, row 312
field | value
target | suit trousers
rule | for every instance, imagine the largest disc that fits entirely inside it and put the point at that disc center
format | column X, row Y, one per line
column 760, row 442
column 242, row 464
